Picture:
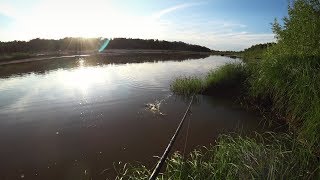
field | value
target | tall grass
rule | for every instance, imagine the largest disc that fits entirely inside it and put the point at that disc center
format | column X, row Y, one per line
column 293, row 84
column 289, row 71
column 228, row 73
column 187, row 86
column 266, row 156
column 228, row 80
column 228, row 77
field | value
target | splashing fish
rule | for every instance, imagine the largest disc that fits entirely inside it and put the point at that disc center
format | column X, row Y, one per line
column 155, row 107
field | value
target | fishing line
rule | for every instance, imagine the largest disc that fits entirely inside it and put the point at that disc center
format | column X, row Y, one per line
column 185, row 146
column 157, row 169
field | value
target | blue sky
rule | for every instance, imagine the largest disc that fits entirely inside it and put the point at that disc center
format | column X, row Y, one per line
column 217, row 24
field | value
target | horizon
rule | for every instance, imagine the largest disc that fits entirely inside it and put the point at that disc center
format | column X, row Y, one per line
column 218, row 25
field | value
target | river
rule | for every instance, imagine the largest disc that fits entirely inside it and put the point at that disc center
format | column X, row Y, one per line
column 78, row 117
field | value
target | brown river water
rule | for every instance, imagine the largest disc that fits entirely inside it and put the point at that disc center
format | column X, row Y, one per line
column 78, row 117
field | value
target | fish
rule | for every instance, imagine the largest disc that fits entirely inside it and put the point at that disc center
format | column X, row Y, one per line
column 154, row 107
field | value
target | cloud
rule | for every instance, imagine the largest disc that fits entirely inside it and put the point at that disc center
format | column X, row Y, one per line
column 239, row 41
column 218, row 35
column 173, row 8
column 214, row 33
column 228, row 41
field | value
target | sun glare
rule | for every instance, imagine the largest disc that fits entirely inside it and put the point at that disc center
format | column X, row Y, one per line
column 56, row 19
column 82, row 78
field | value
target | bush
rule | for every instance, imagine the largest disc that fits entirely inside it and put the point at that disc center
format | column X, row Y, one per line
column 255, row 52
column 300, row 33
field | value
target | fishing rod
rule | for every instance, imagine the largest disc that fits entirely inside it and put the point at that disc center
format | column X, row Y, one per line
column 157, row 169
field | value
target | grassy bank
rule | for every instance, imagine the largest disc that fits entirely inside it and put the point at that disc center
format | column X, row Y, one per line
column 285, row 78
column 267, row 156
column 188, row 86
column 295, row 96
column 226, row 80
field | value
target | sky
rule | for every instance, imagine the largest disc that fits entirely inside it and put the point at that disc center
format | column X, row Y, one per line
column 217, row 24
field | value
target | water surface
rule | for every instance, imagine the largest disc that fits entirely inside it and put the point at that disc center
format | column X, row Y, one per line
column 76, row 117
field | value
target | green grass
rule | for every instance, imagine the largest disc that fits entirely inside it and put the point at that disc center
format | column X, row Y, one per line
column 225, row 74
column 187, row 86
column 293, row 84
column 228, row 77
column 228, row 80
column 266, row 156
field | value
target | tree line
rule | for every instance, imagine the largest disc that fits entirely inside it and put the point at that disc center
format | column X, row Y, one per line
column 93, row 44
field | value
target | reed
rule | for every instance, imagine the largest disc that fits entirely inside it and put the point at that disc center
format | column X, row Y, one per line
column 187, row 86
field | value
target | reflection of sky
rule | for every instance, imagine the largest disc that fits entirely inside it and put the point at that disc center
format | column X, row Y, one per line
column 109, row 84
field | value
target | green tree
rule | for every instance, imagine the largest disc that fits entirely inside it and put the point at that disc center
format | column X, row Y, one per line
column 300, row 34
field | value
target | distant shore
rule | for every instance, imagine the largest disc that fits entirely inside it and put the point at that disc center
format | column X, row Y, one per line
column 111, row 52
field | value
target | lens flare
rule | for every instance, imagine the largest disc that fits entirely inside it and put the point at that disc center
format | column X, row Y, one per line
column 104, row 45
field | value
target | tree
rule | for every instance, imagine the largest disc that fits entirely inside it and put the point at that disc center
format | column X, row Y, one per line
column 300, row 34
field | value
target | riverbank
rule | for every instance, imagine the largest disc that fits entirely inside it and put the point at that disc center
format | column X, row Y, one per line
column 265, row 156
column 108, row 53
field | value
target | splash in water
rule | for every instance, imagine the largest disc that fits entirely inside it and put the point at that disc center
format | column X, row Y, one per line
column 155, row 107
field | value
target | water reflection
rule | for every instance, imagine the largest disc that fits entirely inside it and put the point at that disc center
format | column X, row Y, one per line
column 82, row 115
column 43, row 66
